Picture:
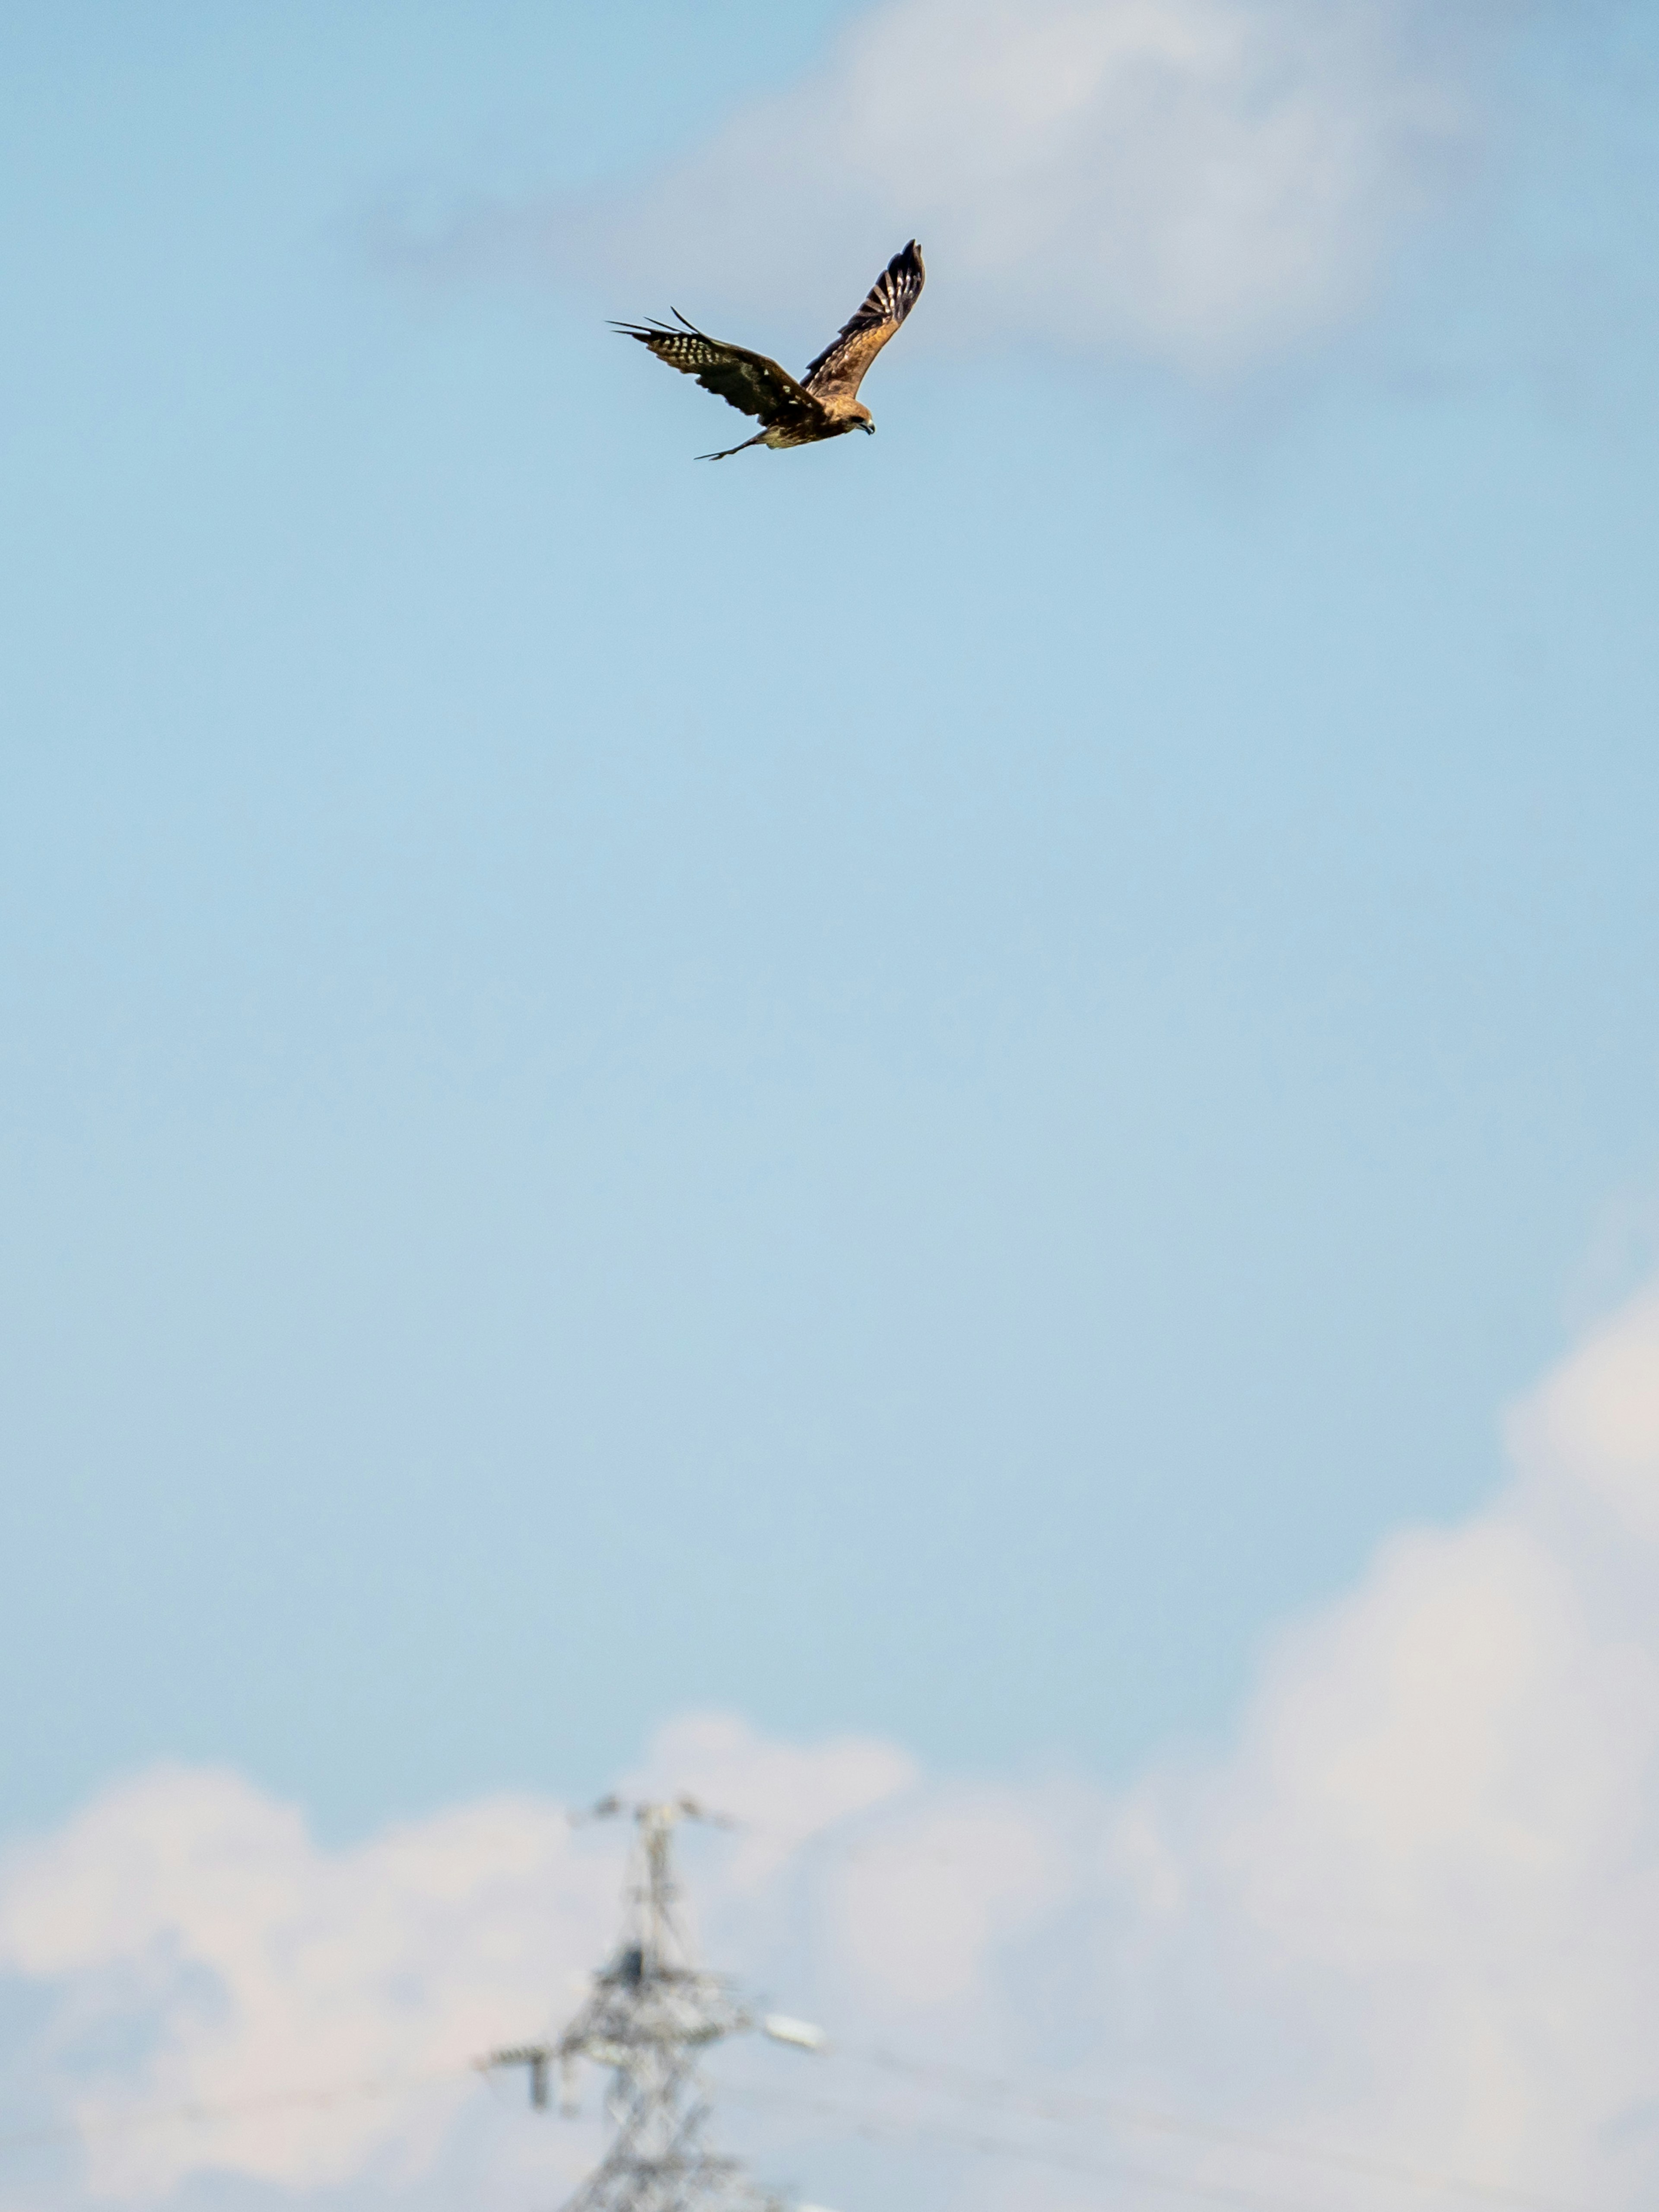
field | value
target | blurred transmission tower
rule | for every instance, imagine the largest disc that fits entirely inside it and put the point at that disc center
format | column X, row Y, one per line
column 651, row 2016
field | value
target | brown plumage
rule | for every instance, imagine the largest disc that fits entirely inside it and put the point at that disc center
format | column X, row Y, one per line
column 825, row 404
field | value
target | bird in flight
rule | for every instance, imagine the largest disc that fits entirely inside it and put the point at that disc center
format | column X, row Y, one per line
column 825, row 404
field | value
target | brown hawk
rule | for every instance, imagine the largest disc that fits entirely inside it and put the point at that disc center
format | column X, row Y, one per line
column 825, row 402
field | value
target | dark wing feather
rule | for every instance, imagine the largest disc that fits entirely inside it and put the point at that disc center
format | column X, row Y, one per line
column 747, row 381
column 840, row 368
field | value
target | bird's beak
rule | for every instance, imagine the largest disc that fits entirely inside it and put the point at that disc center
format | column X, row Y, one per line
column 870, row 426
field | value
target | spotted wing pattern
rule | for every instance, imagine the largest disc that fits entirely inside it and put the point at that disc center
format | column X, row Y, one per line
column 748, row 381
column 840, row 368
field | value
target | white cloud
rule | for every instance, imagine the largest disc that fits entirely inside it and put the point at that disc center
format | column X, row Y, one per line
column 919, row 1909
column 1204, row 183
column 1598, row 1420
column 195, row 1906
column 1426, row 1883
column 1412, row 1915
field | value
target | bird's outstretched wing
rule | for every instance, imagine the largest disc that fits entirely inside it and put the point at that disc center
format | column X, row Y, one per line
column 840, row 368
column 748, row 381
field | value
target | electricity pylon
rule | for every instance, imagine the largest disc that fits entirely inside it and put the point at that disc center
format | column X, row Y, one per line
column 652, row 2013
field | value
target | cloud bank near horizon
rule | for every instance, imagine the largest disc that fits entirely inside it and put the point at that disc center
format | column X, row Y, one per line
column 1412, row 1913
column 1204, row 184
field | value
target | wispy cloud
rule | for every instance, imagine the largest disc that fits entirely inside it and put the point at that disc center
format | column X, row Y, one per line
column 1203, row 184
column 1412, row 1916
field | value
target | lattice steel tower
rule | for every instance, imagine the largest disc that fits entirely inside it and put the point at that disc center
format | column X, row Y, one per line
column 651, row 2016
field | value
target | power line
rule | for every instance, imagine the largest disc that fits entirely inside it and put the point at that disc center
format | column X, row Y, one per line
column 962, row 2082
column 882, row 2129
column 651, row 2014
column 955, row 2081
column 201, row 2112
column 952, row 2080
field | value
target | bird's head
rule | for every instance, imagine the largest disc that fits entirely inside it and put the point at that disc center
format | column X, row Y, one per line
column 863, row 417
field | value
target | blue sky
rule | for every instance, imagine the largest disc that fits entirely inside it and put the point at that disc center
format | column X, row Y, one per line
column 911, row 1089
